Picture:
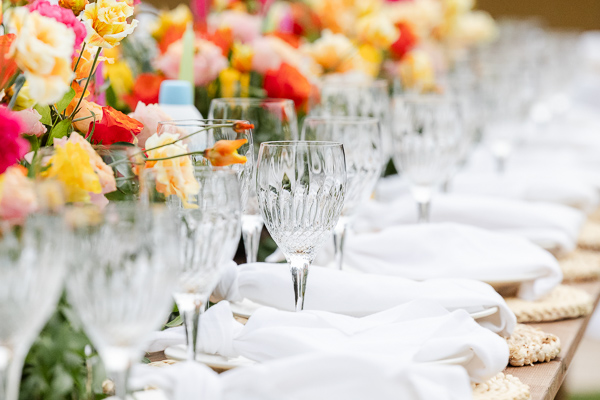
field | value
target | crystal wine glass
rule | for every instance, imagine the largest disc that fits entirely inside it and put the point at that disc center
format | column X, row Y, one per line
column 124, row 268
column 427, row 136
column 204, row 135
column 361, row 137
column 273, row 119
column 209, row 231
column 31, row 279
column 301, row 188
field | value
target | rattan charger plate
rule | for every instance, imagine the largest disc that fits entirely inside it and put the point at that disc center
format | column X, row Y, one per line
column 529, row 345
column 580, row 266
column 501, row 387
column 561, row 303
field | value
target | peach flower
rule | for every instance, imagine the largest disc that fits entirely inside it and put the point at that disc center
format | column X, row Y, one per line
column 17, row 195
column 31, row 121
column 87, row 107
column 149, row 115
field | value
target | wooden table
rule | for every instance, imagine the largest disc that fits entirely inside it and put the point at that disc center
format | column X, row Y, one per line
column 545, row 379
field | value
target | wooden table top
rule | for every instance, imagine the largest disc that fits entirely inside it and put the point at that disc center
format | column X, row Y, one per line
column 545, row 379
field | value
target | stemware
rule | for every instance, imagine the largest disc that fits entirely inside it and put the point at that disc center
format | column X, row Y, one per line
column 361, row 137
column 124, row 266
column 273, row 119
column 209, row 234
column 301, row 188
column 356, row 97
column 427, row 136
column 204, row 135
column 32, row 271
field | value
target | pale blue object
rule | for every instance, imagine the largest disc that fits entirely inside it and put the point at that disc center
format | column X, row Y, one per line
column 175, row 92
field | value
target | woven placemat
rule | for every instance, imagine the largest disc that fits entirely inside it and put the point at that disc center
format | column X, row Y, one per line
column 589, row 238
column 562, row 303
column 501, row 387
column 162, row 363
column 529, row 345
column 595, row 216
column 580, row 266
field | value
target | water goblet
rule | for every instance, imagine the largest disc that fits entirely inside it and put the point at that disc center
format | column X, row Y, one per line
column 273, row 119
column 427, row 138
column 361, row 137
column 123, row 270
column 301, row 188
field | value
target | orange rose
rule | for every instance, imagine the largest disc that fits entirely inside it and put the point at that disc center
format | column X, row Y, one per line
column 8, row 66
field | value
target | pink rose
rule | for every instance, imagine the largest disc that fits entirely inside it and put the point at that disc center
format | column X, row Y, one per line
column 17, row 195
column 149, row 115
column 208, row 61
column 31, row 121
column 244, row 27
column 62, row 15
column 14, row 147
column 265, row 57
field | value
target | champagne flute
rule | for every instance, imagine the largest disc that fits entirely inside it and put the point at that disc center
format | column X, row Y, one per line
column 301, row 188
column 361, row 137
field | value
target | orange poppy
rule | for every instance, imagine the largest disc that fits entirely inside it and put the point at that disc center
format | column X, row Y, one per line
column 225, row 153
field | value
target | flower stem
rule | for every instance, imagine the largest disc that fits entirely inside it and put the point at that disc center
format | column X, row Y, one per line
column 18, row 86
column 80, row 55
column 87, row 82
column 185, row 137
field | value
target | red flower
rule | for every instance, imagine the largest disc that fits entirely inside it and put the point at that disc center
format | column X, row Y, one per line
column 114, row 127
column 8, row 66
column 145, row 89
column 288, row 83
column 406, row 42
column 242, row 126
column 14, row 147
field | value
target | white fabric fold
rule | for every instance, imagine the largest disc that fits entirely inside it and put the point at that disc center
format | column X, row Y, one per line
column 552, row 226
column 449, row 250
column 312, row 376
column 360, row 295
column 419, row 331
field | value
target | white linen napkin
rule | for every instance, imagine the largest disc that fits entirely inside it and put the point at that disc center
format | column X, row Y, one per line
column 566, row 188
column 450, row 250
column 419, row 331
column 359, row 295
column 312, row 376
column 552, row 226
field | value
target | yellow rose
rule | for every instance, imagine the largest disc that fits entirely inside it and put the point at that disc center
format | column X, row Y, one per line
column 121, row 78
column 74, row 5
column 178, row 17
column 106, row 22
column 474, row 27
column 24, row 99
column 332, row 51
column 176, row 175
column 71, row 165
column 43, row 51
column 377, row 30
column 371, row 60
column 241, row 57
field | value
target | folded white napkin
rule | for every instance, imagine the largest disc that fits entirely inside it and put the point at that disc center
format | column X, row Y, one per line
column 566, row 188
column 450, row 250
column 359, row 295
column 419, row 331
column 552, row 226
column 312, row 376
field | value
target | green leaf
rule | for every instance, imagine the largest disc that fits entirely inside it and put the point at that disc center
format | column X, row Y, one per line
column 45, row 113
column 176, row 322
column 33, row 141
column 111, row 97
column 60, row 130
column 64, row 102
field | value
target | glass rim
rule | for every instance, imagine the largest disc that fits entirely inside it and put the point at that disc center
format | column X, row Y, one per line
column 205, row 122
column 252, row 100
column 346, row 120
column 197, row 168
column 296, row 143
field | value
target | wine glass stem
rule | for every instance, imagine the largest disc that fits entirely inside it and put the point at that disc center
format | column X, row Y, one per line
column 190, row 307
column 10, row 374
column 251, row 229
column 299, row 269
column 339, row 234
column 117, row 362
column 423, row 211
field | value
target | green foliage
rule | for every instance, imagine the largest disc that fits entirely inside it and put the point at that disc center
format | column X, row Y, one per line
column 57, row 367
column 63, row 128
column 64, row 102
column 44, row 111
